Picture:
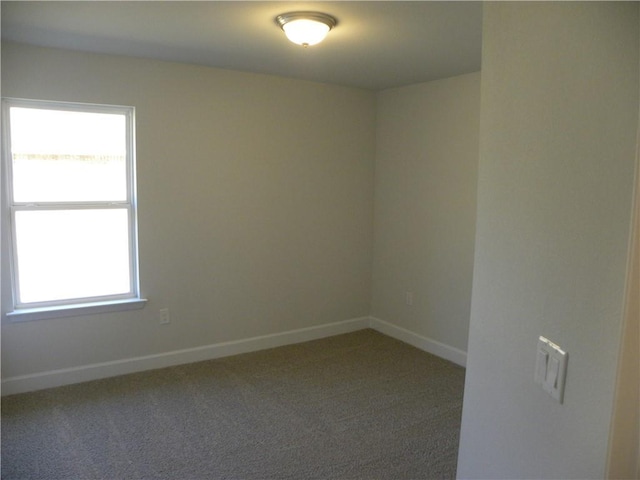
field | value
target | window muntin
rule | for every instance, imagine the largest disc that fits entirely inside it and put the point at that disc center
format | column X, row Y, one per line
column 71, row 197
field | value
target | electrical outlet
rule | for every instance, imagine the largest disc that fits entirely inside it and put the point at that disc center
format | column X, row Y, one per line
column 164, row 316
column 408, row 298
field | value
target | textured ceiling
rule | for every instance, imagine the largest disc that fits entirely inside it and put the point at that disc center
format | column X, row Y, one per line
column 375, row 45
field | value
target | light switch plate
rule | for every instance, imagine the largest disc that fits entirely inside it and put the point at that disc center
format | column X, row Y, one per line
column 551, row 368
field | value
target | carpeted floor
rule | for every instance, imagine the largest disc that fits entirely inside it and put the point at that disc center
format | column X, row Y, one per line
column 354, row 406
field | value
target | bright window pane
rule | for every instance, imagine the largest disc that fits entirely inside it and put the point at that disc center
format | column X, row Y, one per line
column 68, row 156
column 68, row 254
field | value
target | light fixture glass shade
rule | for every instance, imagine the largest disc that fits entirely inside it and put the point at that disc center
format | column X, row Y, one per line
column 306, row 28
column 305, row 32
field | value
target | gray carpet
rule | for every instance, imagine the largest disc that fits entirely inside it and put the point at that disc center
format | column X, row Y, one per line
column 354, row 406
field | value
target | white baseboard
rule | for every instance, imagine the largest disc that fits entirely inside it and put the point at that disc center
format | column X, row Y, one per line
column 95, row 371
column 429, row 345
column 66, row 376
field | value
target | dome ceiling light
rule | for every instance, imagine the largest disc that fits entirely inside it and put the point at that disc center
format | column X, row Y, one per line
column 306, row 28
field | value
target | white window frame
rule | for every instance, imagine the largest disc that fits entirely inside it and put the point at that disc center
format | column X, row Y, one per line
column 85, row 305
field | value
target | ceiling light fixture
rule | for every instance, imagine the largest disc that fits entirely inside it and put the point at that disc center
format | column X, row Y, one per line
column 306, row 28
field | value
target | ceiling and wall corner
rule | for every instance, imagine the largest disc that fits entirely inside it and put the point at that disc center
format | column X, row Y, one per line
column 376, row 44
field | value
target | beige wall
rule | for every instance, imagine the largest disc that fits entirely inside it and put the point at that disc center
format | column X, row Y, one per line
column 255, row 205
column 624, row 443
column 559, row 103
column 425, row 205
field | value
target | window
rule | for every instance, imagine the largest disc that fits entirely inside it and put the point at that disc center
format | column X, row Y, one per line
column 70, row 197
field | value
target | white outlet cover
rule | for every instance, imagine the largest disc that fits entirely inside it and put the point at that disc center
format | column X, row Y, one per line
column 165, row 318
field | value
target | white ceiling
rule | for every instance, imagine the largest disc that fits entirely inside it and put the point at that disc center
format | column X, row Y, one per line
column 375, row 45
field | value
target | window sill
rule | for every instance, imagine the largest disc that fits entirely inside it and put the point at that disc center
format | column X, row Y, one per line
column 25, row 314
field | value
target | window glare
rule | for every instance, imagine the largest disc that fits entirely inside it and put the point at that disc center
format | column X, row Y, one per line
column 64, row 254
column 68, row 156
column 60, row 132
column 69, row 179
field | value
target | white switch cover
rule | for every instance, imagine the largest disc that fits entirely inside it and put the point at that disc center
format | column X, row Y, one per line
column 551, row 368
